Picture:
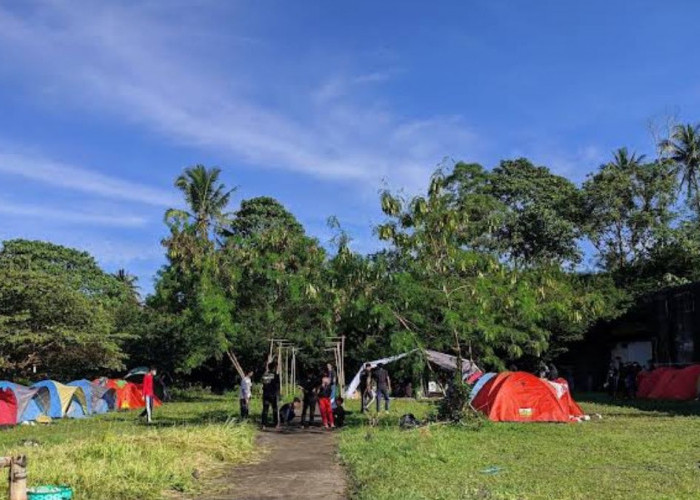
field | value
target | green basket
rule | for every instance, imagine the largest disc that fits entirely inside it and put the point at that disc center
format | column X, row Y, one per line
column 50, row 493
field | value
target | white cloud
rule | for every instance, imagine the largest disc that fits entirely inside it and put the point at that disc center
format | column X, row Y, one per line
column 83, row 180
column 135, row 63
column 57, row 214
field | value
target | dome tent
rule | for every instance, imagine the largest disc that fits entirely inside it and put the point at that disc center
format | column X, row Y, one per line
column 64, row 400
column 99, row 399
column 523, row 397
column 31, row 402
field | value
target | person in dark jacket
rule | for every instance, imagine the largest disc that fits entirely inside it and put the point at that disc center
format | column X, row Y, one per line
column 365, row 387
column 271, row 393
column 339, row 412
column 288, row 411
column 309, row 387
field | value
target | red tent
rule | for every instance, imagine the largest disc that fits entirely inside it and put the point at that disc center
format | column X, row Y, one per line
column 129, row 395
column 522, row 397
column 646, row 381
column 8, row 407
column 670, row 383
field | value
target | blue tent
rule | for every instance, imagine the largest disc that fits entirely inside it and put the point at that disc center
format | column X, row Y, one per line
column 99, row 399
column 64, row 400
column 31, row 402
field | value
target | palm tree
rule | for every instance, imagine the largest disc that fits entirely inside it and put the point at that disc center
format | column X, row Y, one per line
column 683, row 149
column 206, row 198
column 129, row 281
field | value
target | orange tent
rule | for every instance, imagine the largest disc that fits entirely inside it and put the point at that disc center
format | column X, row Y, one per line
column 129, row 395
column 522, row 397
column 670, row 383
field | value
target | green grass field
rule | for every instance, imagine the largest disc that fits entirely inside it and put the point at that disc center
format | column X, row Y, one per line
column 637, row 451
column 116, row 456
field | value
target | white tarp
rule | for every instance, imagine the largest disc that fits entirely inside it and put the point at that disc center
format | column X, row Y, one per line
column 350, row 391
column 446, row 361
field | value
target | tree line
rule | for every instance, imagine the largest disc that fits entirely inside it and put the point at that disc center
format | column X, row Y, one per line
column 486, row 263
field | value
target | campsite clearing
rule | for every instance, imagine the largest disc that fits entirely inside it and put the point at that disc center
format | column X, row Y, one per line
column 639, row 450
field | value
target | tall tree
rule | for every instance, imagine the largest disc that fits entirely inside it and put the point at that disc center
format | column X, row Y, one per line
column 628, row 205
column 542, row 213
column 206, row 197
column 129, row 281
column 453, row 296
column 683, row 148
column 59, row 312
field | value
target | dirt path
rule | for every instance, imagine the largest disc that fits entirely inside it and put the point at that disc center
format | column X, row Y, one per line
column 300, row 463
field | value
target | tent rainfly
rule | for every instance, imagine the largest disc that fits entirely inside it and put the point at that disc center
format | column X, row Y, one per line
column 445, row 361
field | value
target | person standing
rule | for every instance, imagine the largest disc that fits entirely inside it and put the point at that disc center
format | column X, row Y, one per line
column 310, row 387
column 245, row 393
column 330, row 373
column 324, row 403
column 271, row 393
column 366, row 387
column 383, row 386
column 148, row 393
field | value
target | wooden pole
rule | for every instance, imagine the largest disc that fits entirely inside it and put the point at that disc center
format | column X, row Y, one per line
column 342, row 364
column 17, row 476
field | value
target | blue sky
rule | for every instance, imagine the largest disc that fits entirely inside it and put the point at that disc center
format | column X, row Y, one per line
column 319, row 104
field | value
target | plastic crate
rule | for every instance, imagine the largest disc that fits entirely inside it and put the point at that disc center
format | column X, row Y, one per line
column 50, row 493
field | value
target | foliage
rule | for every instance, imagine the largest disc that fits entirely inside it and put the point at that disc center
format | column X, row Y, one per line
column 59, row 313
column 629, row 205
column 206, row 198
column 541, row 221
column 682, row 148
column 455, row 296
column 454, row 407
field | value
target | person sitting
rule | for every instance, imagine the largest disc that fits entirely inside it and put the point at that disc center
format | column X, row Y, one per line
column 288, row 411
column 339, row 412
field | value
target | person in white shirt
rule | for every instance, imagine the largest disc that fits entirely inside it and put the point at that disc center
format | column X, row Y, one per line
column 245, row 394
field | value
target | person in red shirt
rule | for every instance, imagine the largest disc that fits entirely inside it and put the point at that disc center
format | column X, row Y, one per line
column 148, row 393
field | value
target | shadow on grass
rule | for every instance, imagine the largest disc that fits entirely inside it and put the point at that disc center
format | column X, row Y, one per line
column 661, row 408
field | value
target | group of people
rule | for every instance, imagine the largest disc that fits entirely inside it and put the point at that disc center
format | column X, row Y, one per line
column 318, row 389
column 621, row 378
column 375, row 382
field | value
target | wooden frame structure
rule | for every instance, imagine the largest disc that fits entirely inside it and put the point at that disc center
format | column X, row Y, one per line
column 337, row 346
column 286, row 354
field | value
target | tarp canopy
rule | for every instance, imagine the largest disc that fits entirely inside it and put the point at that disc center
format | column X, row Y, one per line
column 680, row 384
column 523, row 397
column 65, row 401
column 445, row 361
column 8, row 407
column 99, row 399
column 137, row 372
column 31, row 402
